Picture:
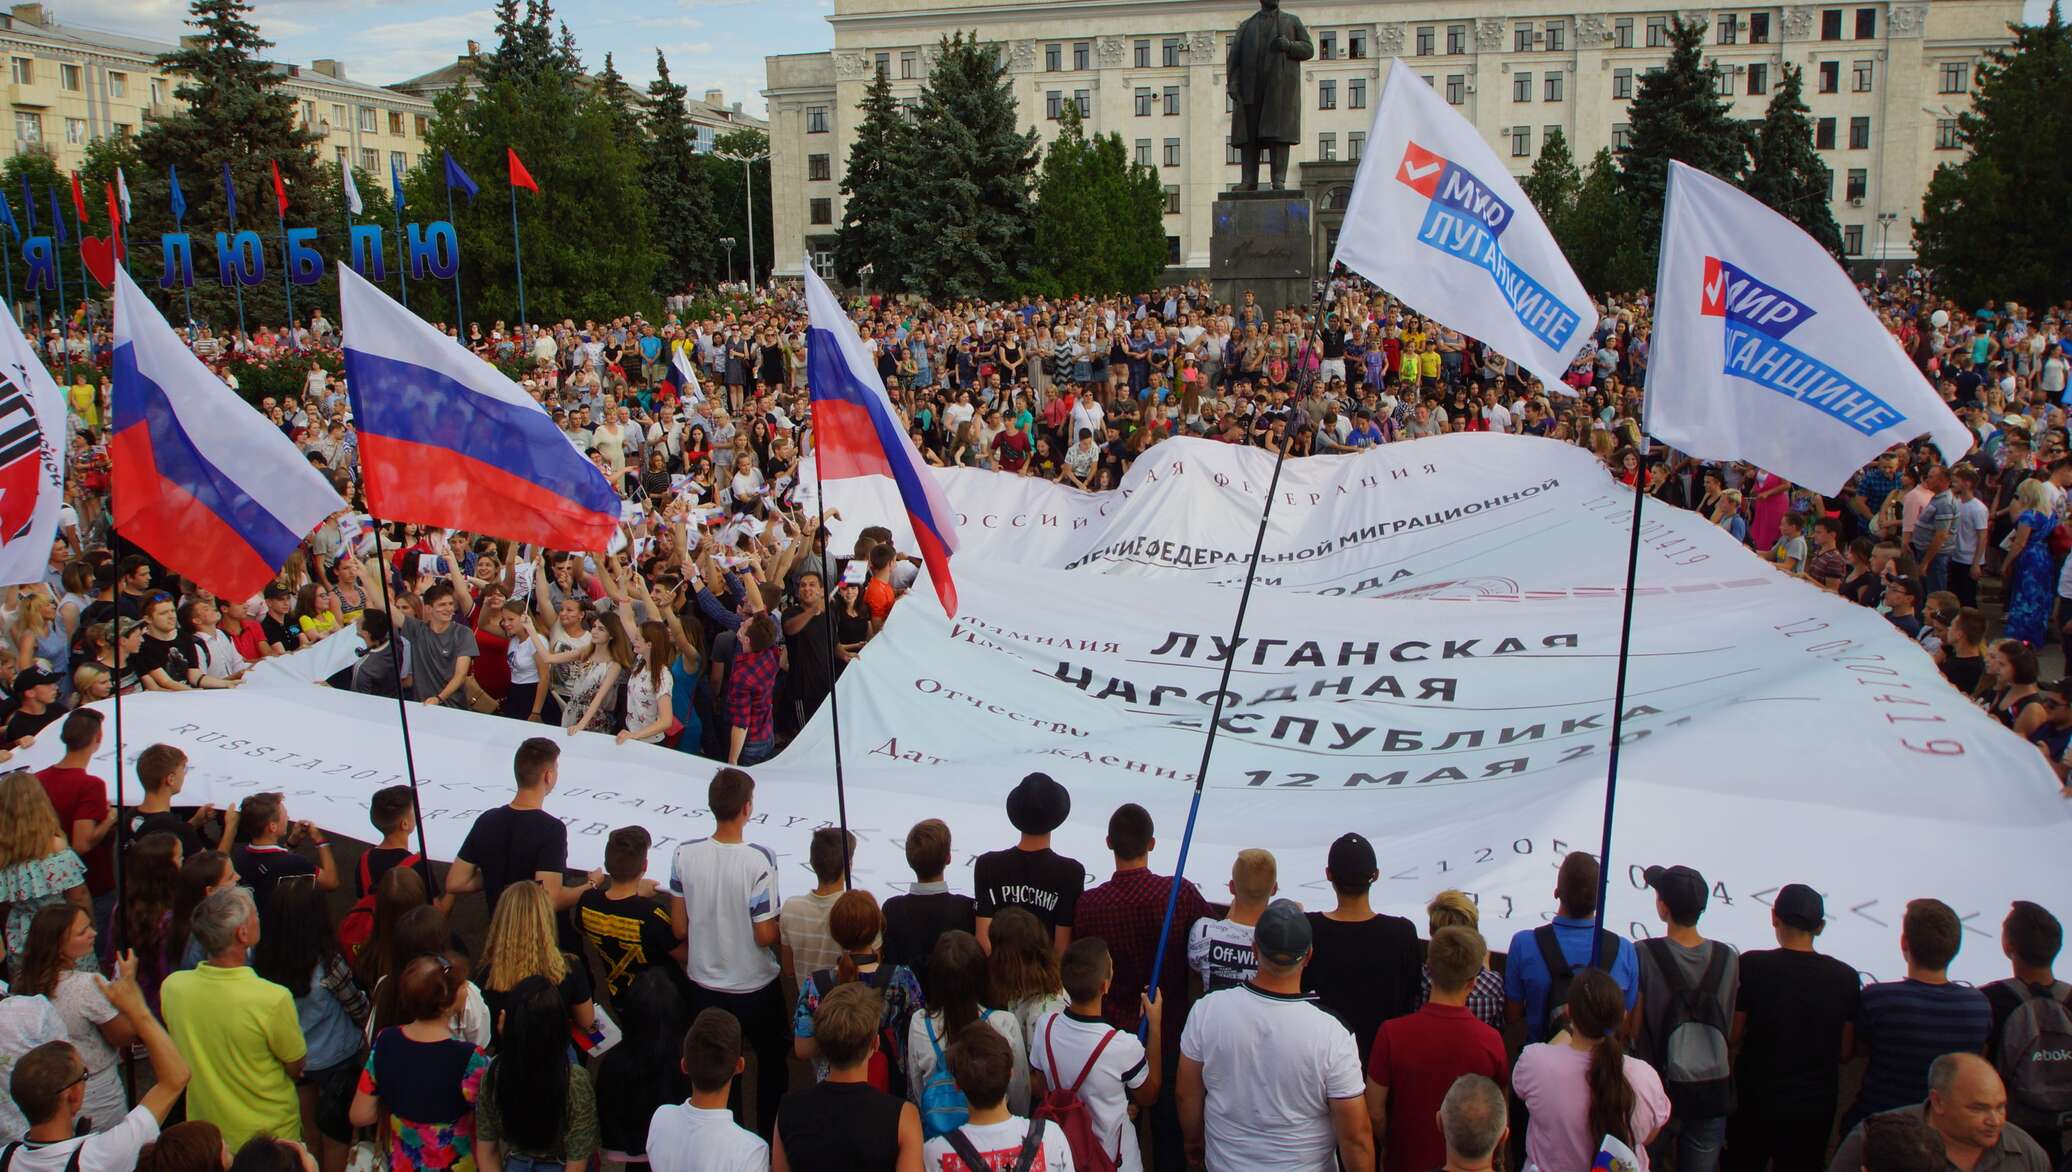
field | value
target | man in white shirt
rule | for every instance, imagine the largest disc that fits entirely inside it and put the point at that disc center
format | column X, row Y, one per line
column 1973, row 522
column 1220, row 951
column 723, row 895
column 700, row 1136
column 1268, row 1080
column 1110, row 1067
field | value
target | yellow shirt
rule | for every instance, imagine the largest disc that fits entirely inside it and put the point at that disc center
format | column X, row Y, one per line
column 1429, row 361
column 83, row 406
column 235, row 1031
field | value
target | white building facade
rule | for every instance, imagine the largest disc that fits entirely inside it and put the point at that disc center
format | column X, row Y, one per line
column 1885, row 82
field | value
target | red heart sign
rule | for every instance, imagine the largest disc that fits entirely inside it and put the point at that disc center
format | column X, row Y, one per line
column 99, row 254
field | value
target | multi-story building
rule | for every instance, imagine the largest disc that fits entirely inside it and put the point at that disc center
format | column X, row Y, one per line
column 1885, row 81
column 69, row 86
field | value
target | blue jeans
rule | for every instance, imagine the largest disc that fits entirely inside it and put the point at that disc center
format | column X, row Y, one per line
column 1697, row 1143
column 1935, row 575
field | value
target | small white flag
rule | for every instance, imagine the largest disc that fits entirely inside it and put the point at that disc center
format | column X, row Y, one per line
column 122, row 193
column 352, row 189
column 1436, row 219
column 1764, row 351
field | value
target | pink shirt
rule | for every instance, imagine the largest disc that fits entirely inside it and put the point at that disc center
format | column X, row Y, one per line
column 1553, row 1081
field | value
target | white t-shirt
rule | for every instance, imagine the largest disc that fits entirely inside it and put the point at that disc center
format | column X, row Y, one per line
column 683, row 1138
column 1000, row 1146
column 1973, row 518
column 1271, row 1065
column 727, row 889
column 921, row 1055
column 1221, row 951
column 113, row 1150
column 25, row 1023
column 523, row 658
column 1070, row 1039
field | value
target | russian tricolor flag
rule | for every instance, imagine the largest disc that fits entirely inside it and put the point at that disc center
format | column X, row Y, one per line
column 202, row 482
column 447, row 440
column 855, row 432
column 679, row 375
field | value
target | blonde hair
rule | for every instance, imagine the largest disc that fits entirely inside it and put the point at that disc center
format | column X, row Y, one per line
column 522, row 941
column 1253, row 875
column 1452, row 908
column 2031, row 496
column 28, row 617
column 27, row 819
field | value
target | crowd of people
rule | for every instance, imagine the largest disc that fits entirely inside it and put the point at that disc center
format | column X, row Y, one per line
column 693, row 1018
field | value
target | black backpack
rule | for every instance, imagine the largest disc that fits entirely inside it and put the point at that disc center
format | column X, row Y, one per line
column 969, row 1153
column 1560, row 973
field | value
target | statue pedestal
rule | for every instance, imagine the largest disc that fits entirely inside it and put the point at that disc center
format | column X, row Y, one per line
column 1260, row 241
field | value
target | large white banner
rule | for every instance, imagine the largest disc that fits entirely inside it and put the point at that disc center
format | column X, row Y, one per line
column 1774, row 734
column 32, row 468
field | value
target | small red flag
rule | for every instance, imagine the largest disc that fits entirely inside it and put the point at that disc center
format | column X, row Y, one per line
column 78, row 199
column 280, row 190
column 520, row 177
column 115, row 221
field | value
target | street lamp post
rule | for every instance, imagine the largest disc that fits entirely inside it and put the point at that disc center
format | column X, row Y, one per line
column 727, row 242
column 748, row 163
column 865, row 272
column 1885, row 222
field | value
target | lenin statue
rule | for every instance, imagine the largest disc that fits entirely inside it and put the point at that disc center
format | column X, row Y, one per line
column 1264, row 79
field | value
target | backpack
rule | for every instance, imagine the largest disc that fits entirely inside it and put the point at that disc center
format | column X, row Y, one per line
column 943, row 1106
column 1691, row 1051
column 969, row 1153
column 1560, row 973
column 882, row 1071
column 2034, row 1056
column 357, row 928
column 79, row 1149
column 1064, row 1107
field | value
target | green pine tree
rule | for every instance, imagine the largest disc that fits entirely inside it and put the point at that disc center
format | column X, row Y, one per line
column 1554, row 179
column 1100, row 217
column 1992, row 226
column 676, row 186
column 1785, row 171
column 625, row 105
column 874, row 190
column 968, row 217
column 1677, row 114
column 1596, row 232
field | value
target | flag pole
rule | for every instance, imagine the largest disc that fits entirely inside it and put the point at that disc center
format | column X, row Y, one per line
column 236, row 286
column 388, row 607
column 402, row 252
column 834, row 704
column 518, row 252
column 460, row 324
column 287, row 276
column 64, row 316
column 86, row 292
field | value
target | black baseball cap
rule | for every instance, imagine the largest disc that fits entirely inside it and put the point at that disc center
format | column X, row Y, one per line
column 34, row 676
column 1682, row 889
column 1352, row 858
column 1800, row 907
column 1282, row 934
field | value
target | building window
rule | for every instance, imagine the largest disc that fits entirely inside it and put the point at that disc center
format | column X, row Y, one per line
column 1327, row 94
column 1622, row 136
column 118, row 85
column 1172, row 101
column 1722, row 81
column 909, row 65
column 1327, row 148
column 1172, row 250
column 1521, row 142
column 1858, row 184
column 1852, row 240
column 1824, row 134
column 1053, row 58
column 28, row 126
column 1355, row 145
column 1456, row 39
column 1866, row 24
column 24, row 70
column 1830, row 77
column 1172, row 199
column 1082, row 55
column 1658, row 31
column 1521, row 39
column 344, row 156
column 1729, row 31
column 1956, row 77
column 1456, row 88
column 822, row 211
column 1622, row 33
column 309, row 114
column 1759, row 78
column 68, row 77
column 1356, row 93
column 1054, row 105
column 1169, row 52
column 1425, row 34
column 1553, row 85
column 1521, row 87
column 824, row 263
column 424, row 124
column 1143, row 101
column 368, row 119
column 122, row 130
column 1831, row 24
column 1758, row 28
column 1622, row 84
column 1860, row 77
column 1557, row 37
column 398, row 163
column 1144, row 152
column 816, row 120
column 1860, row 133
column 819, row 168
column 1356, row 44
column 1946, row 136
column 1143, row 54
column 158, row 91
column 1327, row 46
column 1084, row 99
column 370, row 159
column 882, row 62
column 1230, row 152
column 75, row 131
column 909, row 104
column 1172, row 152
column 395, row 121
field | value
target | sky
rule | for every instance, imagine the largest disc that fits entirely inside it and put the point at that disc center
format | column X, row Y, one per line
column 709, row 43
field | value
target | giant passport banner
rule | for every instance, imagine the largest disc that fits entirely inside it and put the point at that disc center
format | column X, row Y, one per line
column 1773, row 733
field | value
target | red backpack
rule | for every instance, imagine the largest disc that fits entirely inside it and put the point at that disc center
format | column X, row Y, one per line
column 357, row 928
column 1063, row 1107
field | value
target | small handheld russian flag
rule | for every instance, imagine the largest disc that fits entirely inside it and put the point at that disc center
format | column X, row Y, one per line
column 679, row 375
column 855, row 432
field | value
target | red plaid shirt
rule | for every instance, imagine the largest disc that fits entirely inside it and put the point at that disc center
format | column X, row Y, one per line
column 1126, row 912
column 751, row 682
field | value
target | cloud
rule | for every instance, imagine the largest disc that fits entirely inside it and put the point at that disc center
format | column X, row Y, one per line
column 386, row 53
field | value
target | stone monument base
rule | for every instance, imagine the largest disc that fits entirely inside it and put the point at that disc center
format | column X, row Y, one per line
column 1260, row 241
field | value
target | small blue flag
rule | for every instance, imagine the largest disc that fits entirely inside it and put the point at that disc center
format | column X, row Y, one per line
column 58, row 218
column 396, row 180
column 178, row 198
column 229, row 195
column 7, row 217
column 457, row 179
column 29, row 204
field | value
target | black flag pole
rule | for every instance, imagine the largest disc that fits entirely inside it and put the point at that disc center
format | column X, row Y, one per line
column 827, row 616
column 388, row 607
column 1611, row 771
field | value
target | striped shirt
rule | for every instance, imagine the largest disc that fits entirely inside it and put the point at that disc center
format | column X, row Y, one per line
column 1908, row 1025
